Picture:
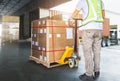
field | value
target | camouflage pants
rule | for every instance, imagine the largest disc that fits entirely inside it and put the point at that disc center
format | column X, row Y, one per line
column 91, row 48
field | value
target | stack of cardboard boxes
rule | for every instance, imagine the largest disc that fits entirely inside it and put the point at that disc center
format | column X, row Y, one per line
column 10, row 28
column 50, row 38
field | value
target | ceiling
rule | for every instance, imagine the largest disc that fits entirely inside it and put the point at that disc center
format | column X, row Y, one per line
column 10, row 6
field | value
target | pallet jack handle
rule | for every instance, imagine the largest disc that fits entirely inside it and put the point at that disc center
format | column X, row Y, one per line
column 76, row 39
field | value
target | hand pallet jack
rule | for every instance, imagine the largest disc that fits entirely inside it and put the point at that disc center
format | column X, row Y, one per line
column 67, row 57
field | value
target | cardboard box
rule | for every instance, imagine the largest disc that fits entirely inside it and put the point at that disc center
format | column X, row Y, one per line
column 55, row 45
column 59, row 41
column 37, row 30
column 34, row 47
column 35, row 37
column 35, row 23
column 37, row 54
column 54, row 26
column 48, row 56
column 10, row 19
column 58, row 55
column 57, row 17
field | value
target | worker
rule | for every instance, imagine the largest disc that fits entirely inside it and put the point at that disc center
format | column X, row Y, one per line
column 92, row 23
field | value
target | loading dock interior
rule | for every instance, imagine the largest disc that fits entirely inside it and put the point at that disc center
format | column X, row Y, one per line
column 14, row 56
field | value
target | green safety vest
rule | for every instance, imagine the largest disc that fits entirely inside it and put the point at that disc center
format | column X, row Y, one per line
column 94, row 12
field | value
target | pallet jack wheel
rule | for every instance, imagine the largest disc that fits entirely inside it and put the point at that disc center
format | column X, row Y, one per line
column 76, row 61
column 71, row 63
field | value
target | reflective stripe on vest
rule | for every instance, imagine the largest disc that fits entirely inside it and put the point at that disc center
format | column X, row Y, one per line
column 94, row 12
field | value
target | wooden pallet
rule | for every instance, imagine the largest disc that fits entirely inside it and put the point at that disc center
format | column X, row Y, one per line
column 46, row 64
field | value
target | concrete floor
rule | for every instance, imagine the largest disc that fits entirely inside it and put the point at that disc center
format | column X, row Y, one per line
column 15, row 66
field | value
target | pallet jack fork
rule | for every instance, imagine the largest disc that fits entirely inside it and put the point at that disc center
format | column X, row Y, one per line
column 67, row 57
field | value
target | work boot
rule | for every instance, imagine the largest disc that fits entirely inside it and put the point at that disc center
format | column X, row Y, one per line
column 85, row 77
column 96, row 74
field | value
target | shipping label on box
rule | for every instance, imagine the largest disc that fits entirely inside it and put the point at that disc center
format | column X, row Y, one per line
column 58, row 35
column 36, row 44
column 43, row 49
column 45, row 58
column 33, row 42
column 41, row 30
column 39, row 48
column 49, row 35
column 40, row 57
column 69, row 33
column 45, row 30
column 43, row 22
column 34, row 35
column 39, row 22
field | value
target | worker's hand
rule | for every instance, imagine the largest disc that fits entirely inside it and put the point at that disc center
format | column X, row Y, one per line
column 71, row 22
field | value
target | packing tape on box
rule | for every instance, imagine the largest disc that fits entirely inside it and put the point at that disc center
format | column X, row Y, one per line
column 53, row 50
column 44, row 50
column 52, row 27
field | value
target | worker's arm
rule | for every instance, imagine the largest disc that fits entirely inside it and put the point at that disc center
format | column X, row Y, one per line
column 75, row 14
column 103, row 13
